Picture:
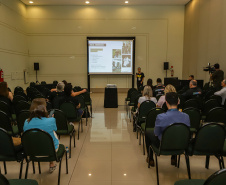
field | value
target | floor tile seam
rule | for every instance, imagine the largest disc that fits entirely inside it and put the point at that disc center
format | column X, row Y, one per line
column 79, row 154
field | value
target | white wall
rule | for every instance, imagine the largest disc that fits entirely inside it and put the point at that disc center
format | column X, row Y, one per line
column 57, row 39
column 205, row 38
column 13, row 40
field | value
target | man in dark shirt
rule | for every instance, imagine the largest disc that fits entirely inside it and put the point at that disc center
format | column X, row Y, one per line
column 217, row 77
column 140, row 78
column 193, row 91
column 163, row 121
column 159, row 88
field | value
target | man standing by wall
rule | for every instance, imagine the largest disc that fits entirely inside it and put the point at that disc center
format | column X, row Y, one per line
column 217, row 77
column 140, row 78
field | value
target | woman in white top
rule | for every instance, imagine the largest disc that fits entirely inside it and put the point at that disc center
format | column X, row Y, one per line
column 147, row 95
column 162, row 100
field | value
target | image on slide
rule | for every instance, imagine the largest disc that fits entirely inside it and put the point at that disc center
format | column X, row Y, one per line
column 126, row 61
column 116, row 53
column 116, row 65
column 126, row 48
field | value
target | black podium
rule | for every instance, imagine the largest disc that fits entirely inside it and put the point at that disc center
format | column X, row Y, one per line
column 111, row 98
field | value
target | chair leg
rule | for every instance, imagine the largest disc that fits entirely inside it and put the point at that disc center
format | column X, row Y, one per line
column 143, row 144
column 59, row 172
column 207, row 161
column 140, row 139
column 188, row 166
column 91, row 109
column 176, row 160
column 21, row 169
column 222, row 160
column 81, row 125
column 86, row 115
column 70, row 147
column 39, row 168
column 157, row 172
column 4, row 163
column 33, row 164
column 149, row 157
column 178, row 163
column 66, row 163
column 27, row 169
column 74, row 138
column 78, row 129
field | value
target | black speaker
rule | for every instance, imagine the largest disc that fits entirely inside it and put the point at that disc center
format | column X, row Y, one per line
column 36, row 66
column 166, row 65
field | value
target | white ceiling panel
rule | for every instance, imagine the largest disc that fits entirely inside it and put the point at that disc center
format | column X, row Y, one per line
column 106, row 2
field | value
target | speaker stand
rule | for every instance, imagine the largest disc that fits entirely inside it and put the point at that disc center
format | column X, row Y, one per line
column 36, row 76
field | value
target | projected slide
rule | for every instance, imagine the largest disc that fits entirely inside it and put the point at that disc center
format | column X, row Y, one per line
column 110, row 56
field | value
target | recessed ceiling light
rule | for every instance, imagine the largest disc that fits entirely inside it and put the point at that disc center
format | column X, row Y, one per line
column 87, row 2
column 31, row 2
column 126, row 2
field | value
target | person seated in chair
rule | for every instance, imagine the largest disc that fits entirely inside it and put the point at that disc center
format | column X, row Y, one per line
column 222, row 92
column 39, row 119
column 192, row 91
column 147, row 95
column 159, row 88
column 5, row 94
column 173, row 115
column 191, row 77
column 68, row 97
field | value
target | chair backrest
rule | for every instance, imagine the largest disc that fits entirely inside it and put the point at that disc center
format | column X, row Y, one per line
column 218, row 178
column 194, row 115
column 43, row 82
column 86, row 97
column 18, row 98
column 69, row 110
column 18, row 89
column 21, row 117
column 164, row 106
column 175, row 138
column 209, row 93
column 5, row 122
column 21, row 105
column 49, row 105
column 217, row 114
column 38, row 144
column 130, row 92
column 136, row 101
column 209, row 138
column 56, row 101
column 216, row 97
column 61, row 120
column 5, row 107
column 81, row 100
column 210, row 104
column 77, row 88
column 191, row 103
column 133, row 96
column 6, row 145
column 151, row 117
column 182, row 100
column 145, row 107
column 3, row 180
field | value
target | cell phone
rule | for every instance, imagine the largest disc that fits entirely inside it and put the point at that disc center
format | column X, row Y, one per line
column 51, row 113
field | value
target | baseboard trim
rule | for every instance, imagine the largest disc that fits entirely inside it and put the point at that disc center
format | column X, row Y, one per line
column 101, row 90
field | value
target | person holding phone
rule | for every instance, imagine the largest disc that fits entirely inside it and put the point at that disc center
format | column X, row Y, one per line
column 40, row 119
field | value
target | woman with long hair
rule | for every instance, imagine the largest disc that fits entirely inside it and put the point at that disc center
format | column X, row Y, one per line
column 39, row 119
column 5, row 94
column 147, row 95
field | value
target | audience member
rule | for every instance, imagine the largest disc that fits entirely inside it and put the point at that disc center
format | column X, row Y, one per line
column 159, row 88
column 39, row 119
column 163, row 121
column 150, row 83
column 162, row 99
column 192, row 91
column 56, row 96
column 147, row 95
column 5, row 94
column 68, row 92
column 191, row 77
column 217, row 77
column 222, row 92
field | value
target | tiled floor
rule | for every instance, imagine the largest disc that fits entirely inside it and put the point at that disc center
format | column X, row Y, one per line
column 108, row 153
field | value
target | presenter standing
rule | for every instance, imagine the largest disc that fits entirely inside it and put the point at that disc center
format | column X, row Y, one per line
column 140, row 78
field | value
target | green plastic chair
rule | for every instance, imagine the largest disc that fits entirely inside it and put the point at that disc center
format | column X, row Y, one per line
column 8, row 152
column 210, row 104
column 6, row 124
column 195, row 118
column 4, row 181
column 5, row 107
column 21, row 105
column 209, row 93
column 191, row 103
column 175, row 140
column 218, row 178
column 71, row 113
column 150, row 122
column 63, row 128
column 88, row 101
column 129, row 94
column 217, row 114
column 18, row 98
column 145, row 107
column 208, row 141
column 134, row 108
column 83, row 106
column 218, row 98
column 21, row 117
column 39, row 147
column 131, row 103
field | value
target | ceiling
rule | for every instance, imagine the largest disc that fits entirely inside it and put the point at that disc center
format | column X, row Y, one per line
column 106, row 2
